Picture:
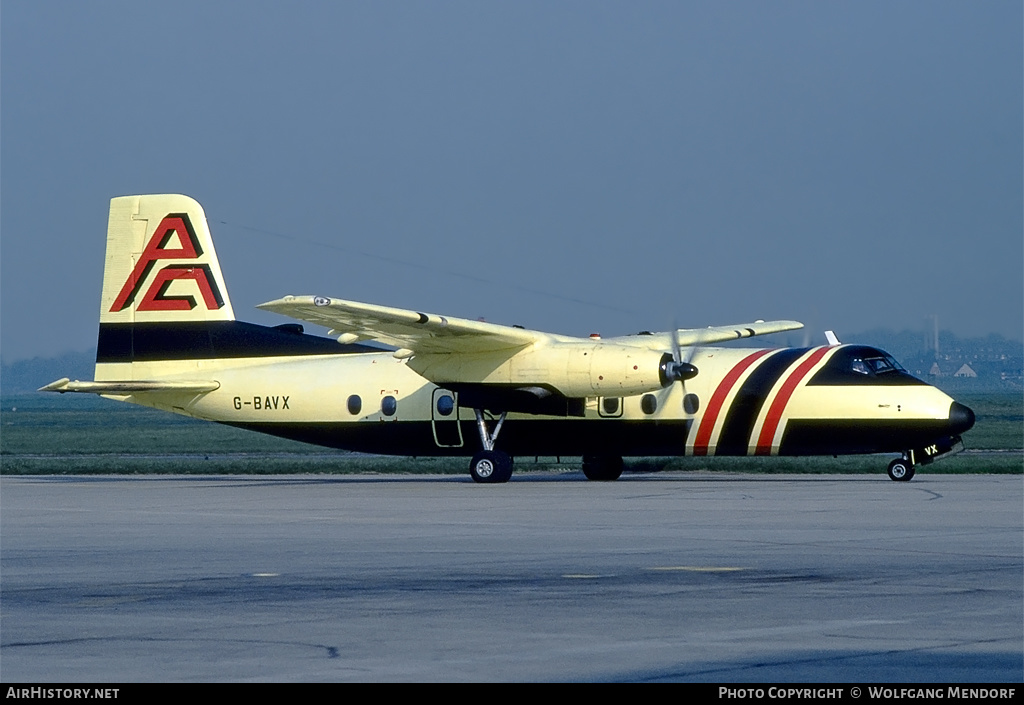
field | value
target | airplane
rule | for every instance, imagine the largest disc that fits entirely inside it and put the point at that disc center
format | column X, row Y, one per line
column 404, row 382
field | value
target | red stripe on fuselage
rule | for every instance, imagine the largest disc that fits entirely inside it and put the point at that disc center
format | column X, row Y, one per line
column 775, row 411
column 707, row 422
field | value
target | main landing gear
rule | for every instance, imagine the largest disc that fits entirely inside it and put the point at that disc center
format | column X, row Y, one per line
column 602, row 468
column 490, row 465
column 493, row 466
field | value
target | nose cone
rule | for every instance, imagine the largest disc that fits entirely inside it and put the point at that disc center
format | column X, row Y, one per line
column 961, row 418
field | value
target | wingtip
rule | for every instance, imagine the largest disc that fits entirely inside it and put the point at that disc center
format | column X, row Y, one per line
column 278, row 303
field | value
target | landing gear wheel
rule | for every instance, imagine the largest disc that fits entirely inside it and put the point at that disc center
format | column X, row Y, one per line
column 602, row 468
column 491, row 466
column 900, row 470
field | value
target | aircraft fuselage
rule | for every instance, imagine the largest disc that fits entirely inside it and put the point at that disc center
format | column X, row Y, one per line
column 789, row 401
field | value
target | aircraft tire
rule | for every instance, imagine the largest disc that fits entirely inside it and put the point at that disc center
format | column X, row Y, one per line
column 491, row 467
column 900, row 470
column 602, row 468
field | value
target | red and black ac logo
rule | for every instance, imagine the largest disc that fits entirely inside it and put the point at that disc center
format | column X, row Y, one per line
column 156, row 298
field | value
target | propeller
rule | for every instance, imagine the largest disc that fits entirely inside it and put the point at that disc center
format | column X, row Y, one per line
column 675, row 368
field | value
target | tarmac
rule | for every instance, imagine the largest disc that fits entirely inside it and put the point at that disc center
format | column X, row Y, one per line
column 703, row 577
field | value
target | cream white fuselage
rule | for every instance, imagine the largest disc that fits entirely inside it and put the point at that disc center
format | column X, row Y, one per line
column 371, row 401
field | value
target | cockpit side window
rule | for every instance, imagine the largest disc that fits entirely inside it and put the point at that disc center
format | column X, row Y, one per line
column 859, row 366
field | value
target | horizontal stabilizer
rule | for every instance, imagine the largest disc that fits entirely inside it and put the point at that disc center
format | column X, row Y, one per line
column 128, row 387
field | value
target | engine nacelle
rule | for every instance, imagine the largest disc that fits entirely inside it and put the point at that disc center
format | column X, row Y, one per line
column 573, row 369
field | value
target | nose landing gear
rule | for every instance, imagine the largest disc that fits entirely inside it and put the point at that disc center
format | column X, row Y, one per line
column 901, row 470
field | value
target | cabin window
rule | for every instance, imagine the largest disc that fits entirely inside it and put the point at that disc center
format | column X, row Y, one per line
column 649, row 403
column 691, row 403
column 611, row 405
column 389, row 405
column 355, row 404
column 445, row 405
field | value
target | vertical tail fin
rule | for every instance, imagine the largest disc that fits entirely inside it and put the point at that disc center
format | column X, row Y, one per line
column 166, row 321
column 160, row 264
column 163, row 292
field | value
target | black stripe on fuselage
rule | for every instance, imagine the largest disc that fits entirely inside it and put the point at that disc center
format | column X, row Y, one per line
column 743, row 411
column 518, row 437
column 851, row 436
column 204, row 340
column 605, row 436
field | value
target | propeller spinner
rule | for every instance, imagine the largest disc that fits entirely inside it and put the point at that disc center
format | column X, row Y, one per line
column 673, row 367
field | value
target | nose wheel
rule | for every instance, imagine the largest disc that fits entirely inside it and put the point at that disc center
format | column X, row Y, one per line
column 901, row 470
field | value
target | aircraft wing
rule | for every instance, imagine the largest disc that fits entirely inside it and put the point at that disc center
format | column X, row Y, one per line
column 688, row 337
column 428, row 333
column 410, row 330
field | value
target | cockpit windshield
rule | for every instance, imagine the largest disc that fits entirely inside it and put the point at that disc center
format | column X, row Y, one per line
column 875, row 365
column 862, row 364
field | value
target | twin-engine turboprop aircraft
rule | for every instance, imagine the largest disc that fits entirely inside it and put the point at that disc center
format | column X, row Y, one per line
column 403, row 382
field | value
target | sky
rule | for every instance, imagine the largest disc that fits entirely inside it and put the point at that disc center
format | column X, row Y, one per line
column 573, row 167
